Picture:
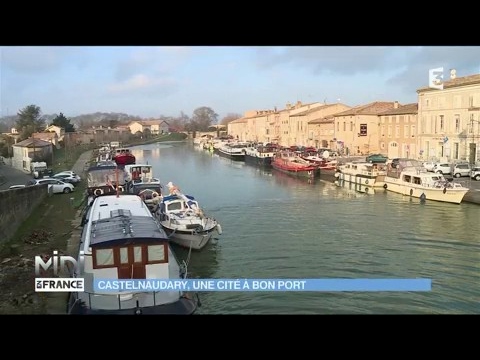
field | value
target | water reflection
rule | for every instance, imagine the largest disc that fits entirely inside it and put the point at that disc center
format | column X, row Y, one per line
column 290, row 180
column 354, row 187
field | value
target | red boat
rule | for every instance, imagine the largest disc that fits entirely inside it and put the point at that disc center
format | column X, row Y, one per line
column 123, row 156
column 289, row 162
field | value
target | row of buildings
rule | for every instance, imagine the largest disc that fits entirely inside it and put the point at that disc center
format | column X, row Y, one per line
column 40, row 145
column 443, row 125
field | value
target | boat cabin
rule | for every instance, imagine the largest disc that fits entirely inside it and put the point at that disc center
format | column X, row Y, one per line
column 122, row 240
column 139, row 172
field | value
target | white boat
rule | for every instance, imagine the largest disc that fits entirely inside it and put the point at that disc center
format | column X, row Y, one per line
column 362, row 173
column 122, row 240
column 417, row 182
column 234, row 150
column 184, row 221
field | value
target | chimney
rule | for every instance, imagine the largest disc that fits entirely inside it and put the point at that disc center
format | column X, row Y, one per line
column 395, row 105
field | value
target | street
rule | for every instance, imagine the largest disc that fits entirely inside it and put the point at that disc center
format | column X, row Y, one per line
column 10, row 176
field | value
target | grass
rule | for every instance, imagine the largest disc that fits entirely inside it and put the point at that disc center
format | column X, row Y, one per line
column 49, row 227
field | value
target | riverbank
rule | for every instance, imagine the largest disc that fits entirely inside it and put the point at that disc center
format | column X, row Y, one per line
column 53, row 225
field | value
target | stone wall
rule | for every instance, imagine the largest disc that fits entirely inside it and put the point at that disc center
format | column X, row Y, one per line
column 16, row 206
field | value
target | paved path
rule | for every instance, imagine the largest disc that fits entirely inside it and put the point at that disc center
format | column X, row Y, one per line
column 79, row 166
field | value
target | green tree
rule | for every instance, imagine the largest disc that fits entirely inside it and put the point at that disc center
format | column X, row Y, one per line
column 29, row 121
column 64, row 123
column 202, row 119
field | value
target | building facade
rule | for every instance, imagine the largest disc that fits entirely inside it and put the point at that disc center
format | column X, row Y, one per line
column 398, row 132
column 449, row 121
column 357, row 130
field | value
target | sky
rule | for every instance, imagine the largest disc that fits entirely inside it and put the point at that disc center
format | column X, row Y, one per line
column 159, row 81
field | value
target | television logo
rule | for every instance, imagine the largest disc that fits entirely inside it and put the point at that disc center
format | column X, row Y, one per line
column 59, row 265
column 435, row 78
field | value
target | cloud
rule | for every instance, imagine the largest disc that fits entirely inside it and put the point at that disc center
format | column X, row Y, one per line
column 142, row 82
column 465, row 59
column 342, row 60
column 31, row 59
column 155, row 60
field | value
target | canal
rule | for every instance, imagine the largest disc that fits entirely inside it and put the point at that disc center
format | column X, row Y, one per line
column 276, row 226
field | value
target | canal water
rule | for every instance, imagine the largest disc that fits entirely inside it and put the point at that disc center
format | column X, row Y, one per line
column 276, row 226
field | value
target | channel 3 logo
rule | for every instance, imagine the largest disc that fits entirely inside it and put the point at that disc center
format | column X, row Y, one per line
column 435, row 78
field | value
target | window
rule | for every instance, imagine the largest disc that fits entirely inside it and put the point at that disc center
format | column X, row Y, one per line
column 405, row 131
column 397, row 131
column 383, row 130
column 103, row 258
column 174, row 206
column 455, row 151
column 394, row 119
column 389, row 131
column 156, row 254
column 137, row 254
column 351, row 125
column 344, row 126
column 363, row 129
column 457, row 123
column 412, row 132
column 338, row 126
column 385, row 119
column 441, row 123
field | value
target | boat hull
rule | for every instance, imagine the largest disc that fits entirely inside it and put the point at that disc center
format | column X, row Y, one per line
column 124, row 160
column 359, row 179
column 303, row 173
column 258, row 161
column 450, row 195
column 235, row 157
column 189, row 239
column 183, row 306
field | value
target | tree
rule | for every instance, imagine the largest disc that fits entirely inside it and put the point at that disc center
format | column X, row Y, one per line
column 29, row 121
column 64, row 123
column 230, row 117
column 202, row 119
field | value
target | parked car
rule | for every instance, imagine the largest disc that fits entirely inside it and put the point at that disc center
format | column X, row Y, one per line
column 429, row 165
column 443, row 168
column 461, row 170
column 13, row 187
column 376, row 158
column 57, row 186
column 71, row 178
column 475, row 173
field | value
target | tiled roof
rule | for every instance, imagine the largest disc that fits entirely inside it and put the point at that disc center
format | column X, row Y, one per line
column 323, row 120
column 317, row 108
column 45, row 135
column 30, row 143
column 459, row 81
column 403, row 109
column 373, row 108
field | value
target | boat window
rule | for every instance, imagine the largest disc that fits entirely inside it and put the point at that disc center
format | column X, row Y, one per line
column 407, row 178
column 137, row 254
column 435, row 178
column 174, row 206
column 416, row 180
column 157, row 254
column 124, row 255
column 103, row 258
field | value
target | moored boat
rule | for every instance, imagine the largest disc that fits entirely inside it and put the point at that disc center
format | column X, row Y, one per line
column 260, row 155
column 289, row 162
column 123, row 156
column 122, row 240
column 410, row 178
column 362, row 173
column 184, row 221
